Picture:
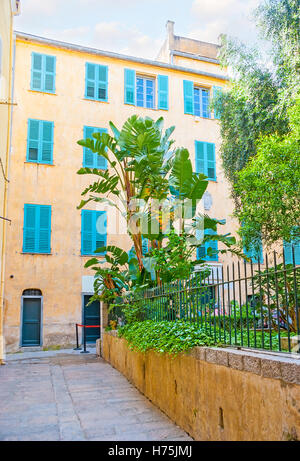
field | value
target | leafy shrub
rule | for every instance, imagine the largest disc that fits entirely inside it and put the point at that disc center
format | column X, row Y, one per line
column 134, row 313
column 169, row 337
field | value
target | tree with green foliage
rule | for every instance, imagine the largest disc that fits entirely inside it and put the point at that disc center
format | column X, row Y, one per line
column 279, row 22
column 143, row 167
column 261, row 88
column 269, row 187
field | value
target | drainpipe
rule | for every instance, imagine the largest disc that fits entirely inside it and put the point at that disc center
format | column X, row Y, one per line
column 6, row 168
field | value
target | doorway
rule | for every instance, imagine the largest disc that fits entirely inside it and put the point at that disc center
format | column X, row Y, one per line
column 31, row 318
column 91, row 316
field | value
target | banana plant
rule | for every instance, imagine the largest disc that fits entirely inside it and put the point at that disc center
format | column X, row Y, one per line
column 143, row 165
column 120, row 276
column 139, row 158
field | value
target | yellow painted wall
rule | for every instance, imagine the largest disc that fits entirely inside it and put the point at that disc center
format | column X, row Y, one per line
column 194, row 64
column 59, row 275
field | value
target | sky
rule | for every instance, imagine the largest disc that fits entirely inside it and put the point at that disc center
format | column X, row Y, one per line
column 135, row 27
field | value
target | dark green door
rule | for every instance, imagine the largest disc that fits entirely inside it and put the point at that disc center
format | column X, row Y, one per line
column 91, row 317
column 31, row 327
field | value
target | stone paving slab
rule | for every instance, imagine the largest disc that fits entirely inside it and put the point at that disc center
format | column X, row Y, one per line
column 62, row 395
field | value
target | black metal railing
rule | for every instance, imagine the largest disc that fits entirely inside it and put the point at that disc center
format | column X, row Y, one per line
column 116, row 316
column 241, row 304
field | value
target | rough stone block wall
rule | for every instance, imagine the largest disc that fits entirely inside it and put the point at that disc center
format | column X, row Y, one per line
column 217, row 394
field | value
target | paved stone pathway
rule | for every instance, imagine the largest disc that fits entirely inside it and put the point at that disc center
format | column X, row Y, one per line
column 76, row 397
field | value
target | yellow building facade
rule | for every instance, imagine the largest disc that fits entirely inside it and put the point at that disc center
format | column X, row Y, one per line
column 56, row 99
column 8, row 9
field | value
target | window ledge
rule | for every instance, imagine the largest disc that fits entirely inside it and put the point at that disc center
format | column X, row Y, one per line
column 43, row 92
column 142, row 107
column 202, row 118
column 147, row 108
column 95, row 168
column 38, row 254
column 39, row 163
column 95, row 100
column 93, row 255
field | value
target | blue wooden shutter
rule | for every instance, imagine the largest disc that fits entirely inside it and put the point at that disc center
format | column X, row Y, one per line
column 203, row 249
column 88, row 155
column 93, row 231
column 100, row 161
column 163, row 92
column 213, row 244
column 49, row 73
column 90, row 80
column 102, row 93
column 129, row 86
column 29, row 229
column 43, row 70
column 131, row 253
column 205, row 103
column 92, row 159
column 86, row 232
column 255, row 252
column 44, row 229
column 216, row 90
column 99, row 229
column 188, row 96
column 145, row 249
column 46, row 142
column 37, row 229
column 36, row 72
column 205, row 159
column 145, row 245
column 33, row 137
column 288, row 252
column 201, row 252
column 200, row 157
column 210, row 160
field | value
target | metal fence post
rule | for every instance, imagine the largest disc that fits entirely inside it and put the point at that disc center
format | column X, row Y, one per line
column 77, row 348
column 84, row 341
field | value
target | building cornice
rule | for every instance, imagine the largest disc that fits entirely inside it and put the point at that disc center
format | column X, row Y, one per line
column 84, row 49
column 194, row 56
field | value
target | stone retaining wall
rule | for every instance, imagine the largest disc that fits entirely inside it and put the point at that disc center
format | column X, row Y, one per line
column 214, row 393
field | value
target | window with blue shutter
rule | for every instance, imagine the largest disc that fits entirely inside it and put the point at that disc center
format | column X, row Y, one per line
column 96, row 82
column 255, row 252
column 163, row 92
column 37, row 229
column 140, row 90
column 93, row 231
column 129, row 86
column 43, row 70
column 40, row 141
column 208, row 251
column 216, row 91
column 206, row 159
column 92, row 159
column 196, row 100
column 288, row 251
